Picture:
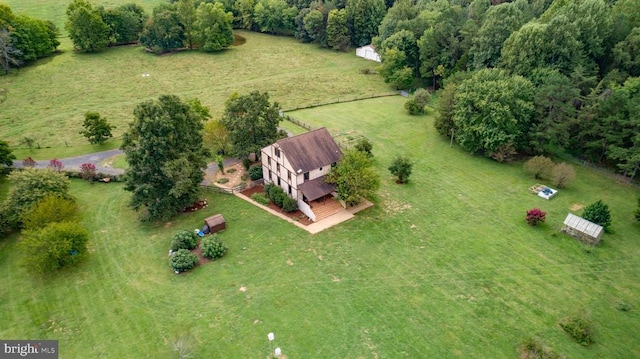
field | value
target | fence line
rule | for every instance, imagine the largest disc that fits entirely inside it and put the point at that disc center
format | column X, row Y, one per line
column 341, row 100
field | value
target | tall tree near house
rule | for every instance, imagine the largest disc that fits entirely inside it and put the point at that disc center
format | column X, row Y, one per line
column 252, row 121
column 166, row 157
column 354, row 177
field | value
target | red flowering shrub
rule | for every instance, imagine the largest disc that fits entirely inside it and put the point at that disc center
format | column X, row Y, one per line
column 535, row 216
column 88, row 171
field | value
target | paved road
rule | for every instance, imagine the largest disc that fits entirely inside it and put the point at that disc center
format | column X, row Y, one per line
column 98, row 158
column 73, row 163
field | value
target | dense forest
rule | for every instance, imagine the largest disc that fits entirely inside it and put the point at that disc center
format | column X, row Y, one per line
column 521, row 77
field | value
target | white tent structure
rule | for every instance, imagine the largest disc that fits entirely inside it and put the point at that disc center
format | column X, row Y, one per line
column 582, row 229
column 368, row 52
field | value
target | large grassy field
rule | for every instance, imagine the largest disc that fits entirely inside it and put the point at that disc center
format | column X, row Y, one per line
column 47, row 100
column 442, row 267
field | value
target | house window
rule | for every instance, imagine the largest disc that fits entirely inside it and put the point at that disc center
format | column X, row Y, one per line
column 270, row 175
column 278, row 167
column 278, row 181
column 320, row 168
column 288, row 176
column 306, row 176
column 277, row 152
column 289, row 189
column 269, row 161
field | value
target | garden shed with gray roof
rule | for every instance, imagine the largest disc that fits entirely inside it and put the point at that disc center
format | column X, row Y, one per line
column 582, row 229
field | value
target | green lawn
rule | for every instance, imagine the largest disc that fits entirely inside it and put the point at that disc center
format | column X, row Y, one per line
column 47, row 101
column 442, row 267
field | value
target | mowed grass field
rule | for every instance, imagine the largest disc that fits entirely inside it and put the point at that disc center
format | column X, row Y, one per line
column 442, row 267
column 47, row 100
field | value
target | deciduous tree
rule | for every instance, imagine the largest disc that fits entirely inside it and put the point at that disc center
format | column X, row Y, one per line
column 213, row 27
column 166, row 157
column 86, row 28
column 163, row 31
column 354, row 177
column 30, row 186
column 55, row 246
column 401, row 167
column 6, row 155
column 51, row 209
column 492, row 110
column 337, row 30
column 364, row 17
column 252, row 121
column 562, row 174
column 96, row 128
column 598, row 213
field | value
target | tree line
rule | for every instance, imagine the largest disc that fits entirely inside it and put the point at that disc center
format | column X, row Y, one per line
column 24, row 39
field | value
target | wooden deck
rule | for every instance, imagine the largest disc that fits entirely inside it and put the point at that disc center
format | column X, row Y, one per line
column 324, row 208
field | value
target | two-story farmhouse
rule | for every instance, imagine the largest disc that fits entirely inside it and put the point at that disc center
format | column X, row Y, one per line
column 298, row 165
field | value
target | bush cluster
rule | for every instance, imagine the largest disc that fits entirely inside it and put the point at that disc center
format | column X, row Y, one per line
column 255, row 172
column 184, row 239
column 213, row 248
column 535, row 216
column 260, row 198
column 280, row 198
column 183, row 260
column 416, row 104
column 579, row 328
column 541, row 167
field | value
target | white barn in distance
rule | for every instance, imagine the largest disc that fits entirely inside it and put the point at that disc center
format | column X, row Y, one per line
column 368, row 52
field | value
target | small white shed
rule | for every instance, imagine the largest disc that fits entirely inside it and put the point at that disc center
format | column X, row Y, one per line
column 582, row 229
column 368, row 52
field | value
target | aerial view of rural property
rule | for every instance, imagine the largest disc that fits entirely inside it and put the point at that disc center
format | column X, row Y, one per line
column 302, row 179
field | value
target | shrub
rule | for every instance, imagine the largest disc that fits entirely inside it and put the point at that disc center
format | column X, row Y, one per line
column 562, row 174
column 401, row 167
column 183, row 260
column 88, row 171
column 212, row 247
column 260, row 198
column 51, row 209
column 255, row 172
column 416, row 104
column 231, row 170
column 244, row 177
column 184, row 239
column 56, row 165
column 276, row 194
column 289, row 204
column 539, row 167
column 55, row 246
column 598, row 213
column 535, row 216
column 533, row 348
column 579, row 328
column 364, row 145
column 222, row 180
column 246, row 163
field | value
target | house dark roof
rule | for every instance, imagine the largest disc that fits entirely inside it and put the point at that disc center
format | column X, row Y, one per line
column 310, row 150
column 316, row 188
